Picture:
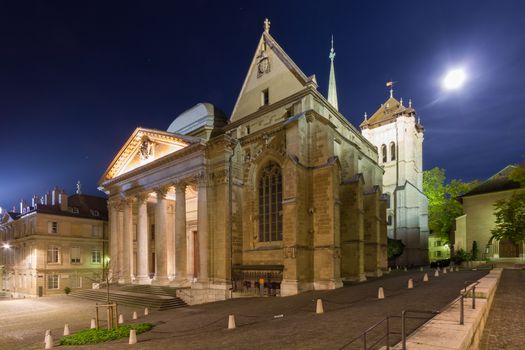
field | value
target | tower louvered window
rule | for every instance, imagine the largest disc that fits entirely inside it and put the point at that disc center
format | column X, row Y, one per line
column 383, row 153
column 270, row 204
column 392, row 151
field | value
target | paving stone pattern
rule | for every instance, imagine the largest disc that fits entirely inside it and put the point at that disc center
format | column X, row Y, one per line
column 505, row 327
column 262, row 323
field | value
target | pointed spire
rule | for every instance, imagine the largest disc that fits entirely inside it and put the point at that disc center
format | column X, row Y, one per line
column 79, row 187
column 332, row 88
column 410, row 102
column 391, row 92
column 366, row 117
column 401, row 102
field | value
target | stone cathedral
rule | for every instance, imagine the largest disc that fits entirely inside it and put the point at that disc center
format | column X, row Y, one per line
column 282, row 196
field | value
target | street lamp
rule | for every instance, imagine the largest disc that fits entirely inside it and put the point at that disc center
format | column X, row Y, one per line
column 6, row 245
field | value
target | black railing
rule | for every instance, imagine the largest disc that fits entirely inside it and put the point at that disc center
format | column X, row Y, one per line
column 403, row 323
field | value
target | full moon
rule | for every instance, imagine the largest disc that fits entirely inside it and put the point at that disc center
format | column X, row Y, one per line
column 454, row 79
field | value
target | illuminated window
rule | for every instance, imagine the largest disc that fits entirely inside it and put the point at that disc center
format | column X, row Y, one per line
column 270, row 204
column 52, row 227
column 96, row 256
column 75, row 255
column 265, row 97
column 392, row 151
column 52, row 281
column 383, row 153
column 53, row 254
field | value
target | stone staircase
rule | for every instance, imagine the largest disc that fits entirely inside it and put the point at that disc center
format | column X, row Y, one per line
column 153, row 297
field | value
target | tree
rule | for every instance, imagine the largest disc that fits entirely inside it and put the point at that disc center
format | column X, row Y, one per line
column 510, row 218
column 518, row 175
column 443, row 206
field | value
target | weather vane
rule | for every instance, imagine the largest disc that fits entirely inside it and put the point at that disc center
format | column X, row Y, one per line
column 390, row 84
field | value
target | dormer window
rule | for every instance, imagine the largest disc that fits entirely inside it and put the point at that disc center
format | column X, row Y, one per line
column 95, row 213
column 74, row 210
column 265, row 97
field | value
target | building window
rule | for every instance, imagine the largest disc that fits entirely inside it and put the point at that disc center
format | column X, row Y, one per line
column 74, row 210
column 75, row 281
column 96, row 231
column 383, row 153
column 392, row 151
column 96, row 256
column 52, row 227
column 53, row 254
column 389, row 220
column 437, row 254
column 388, row 199
column 265, row 97
column 270, row 204
column 75, row 255
column 94, row 212
column 52, row 281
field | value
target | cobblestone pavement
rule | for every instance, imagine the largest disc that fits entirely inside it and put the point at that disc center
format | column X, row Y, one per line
column 505, row 327
column 284, row 323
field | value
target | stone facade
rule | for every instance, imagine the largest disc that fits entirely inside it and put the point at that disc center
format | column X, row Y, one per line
column 53, row 243
column 398, row 136
column 284, row 197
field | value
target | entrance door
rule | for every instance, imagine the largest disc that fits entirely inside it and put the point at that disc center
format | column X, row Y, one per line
column 195, row 254
column 508, row 249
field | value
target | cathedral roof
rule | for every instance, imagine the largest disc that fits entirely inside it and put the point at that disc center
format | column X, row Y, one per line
column 387, row 113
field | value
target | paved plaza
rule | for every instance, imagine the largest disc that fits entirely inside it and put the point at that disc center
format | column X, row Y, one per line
column 285, row 323
column 505, row 327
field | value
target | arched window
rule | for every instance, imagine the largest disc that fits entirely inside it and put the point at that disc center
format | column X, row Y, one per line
column 270, row 203
column 383, row 153
column 392, row 151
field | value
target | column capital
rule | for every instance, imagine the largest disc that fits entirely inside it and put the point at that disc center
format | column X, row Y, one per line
column 142, row 197
column 162, row 191
column 180, row 186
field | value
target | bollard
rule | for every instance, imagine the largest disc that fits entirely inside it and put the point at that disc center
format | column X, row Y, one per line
column 389, row 269
column 132, row 336
column 135, row 315
column 380, row 293
column 231, row 322
column 405, row 269
column 436, row 274
column 410, row 283
column 444, row 270
column 319, row 307
column 421, row 269
column 48, row 332
column 425, row 278
column 66, row 329
column 146, row 312
column 120, row 319
column 457, row 268
column 452, row 269
column 93, row 324
column 49, row 341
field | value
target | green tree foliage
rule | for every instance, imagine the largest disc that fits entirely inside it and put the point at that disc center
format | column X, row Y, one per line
column 475, row 251
column 443, row 206
column 395, row 248
column 510, row 218
column 518, row 175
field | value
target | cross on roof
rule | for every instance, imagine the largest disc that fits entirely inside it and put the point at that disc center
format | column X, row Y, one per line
column 267, row 25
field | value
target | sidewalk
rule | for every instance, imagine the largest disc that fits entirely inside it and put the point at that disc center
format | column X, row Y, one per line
column 505, row 328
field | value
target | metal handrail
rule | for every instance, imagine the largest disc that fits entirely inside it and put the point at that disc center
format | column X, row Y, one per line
column 462, row 296
column 404, row 317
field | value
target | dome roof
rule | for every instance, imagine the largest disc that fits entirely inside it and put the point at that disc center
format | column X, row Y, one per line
column 198, row 116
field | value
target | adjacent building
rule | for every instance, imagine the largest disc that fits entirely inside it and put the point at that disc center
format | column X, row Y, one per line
column 54, row 242
column 284, row 194
column 479, row 219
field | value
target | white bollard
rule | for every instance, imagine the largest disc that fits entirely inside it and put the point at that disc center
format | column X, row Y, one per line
column 93, row 324
column 421, row 269
column 425, row 278
column 410, row 283
column 457, row 268
column 439, row 268
column 389, row 269
column 231, row 322
column 120, row 319
column 405, row 269
column 380, row 293
column 135, row 315
column 319, row 307
column 132, row 336
column 444, row 270
column 146, row 312
column 436, row 274
column 48, row 332
column 49, row 341
column 66, row 329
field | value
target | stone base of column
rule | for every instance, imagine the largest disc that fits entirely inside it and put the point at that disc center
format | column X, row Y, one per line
column 294, row 287
column 323, row 285
column 142, row 280
column 374, row 273
column 160, row 281
column 124, row 280
column 180, row 283
column 357, row 278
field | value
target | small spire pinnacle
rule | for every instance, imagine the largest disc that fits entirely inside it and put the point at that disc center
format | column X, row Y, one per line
column 409, row 102
column 267, row 25
column 366, row 116
column 401, row 102
column 332, row 88
column 79, row 187
column 391, row 92
column 419, row 120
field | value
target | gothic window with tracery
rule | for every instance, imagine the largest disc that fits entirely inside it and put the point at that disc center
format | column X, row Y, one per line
column 270, row 203
column 383, row 153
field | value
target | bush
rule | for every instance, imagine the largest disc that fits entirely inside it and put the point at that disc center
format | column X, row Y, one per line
column 474, row 253
column 93, row 336
column 67, row 290
column 461, row 256
column 395, row 248
column 440, row 263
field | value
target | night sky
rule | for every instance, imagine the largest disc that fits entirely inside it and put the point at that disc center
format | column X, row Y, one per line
column 76, row 78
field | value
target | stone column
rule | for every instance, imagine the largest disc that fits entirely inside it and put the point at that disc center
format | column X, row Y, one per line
column 142, row 240
column 202, row 229
column 127, row 239
column 113, row 237
column 180, row 234
column 160, row 238
column 120, row 240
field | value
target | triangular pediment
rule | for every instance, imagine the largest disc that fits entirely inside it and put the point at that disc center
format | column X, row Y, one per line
column 271, row 68
column 143, row 147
